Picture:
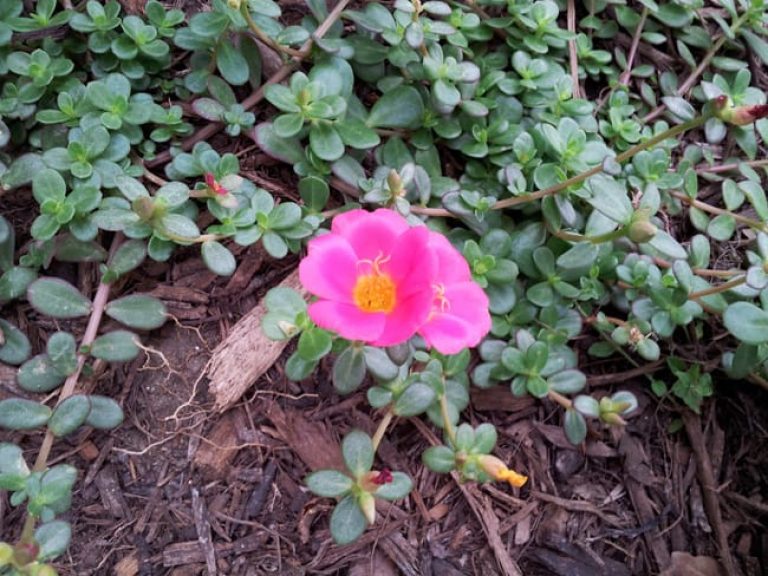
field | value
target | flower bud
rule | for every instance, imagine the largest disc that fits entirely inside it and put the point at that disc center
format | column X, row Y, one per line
column 371, row 481
column 367, row 505
column 234, row 4
column 497, row 470
column 738, row 115
column 144, row 207
column 41, row 570
column 640, row 227
column 395, row 183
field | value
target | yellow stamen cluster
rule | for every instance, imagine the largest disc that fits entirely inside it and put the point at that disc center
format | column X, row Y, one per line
column 375, row 291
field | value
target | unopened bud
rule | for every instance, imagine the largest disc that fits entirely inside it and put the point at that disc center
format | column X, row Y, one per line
column 640, row 228
column 612, row 418
column 41, row 570
column 738, row 115
column 395, row 183
column 288, row 328
column 25, row 553
column 371, row 481
column 367, row 505
column 234, row 4
column 144, row 207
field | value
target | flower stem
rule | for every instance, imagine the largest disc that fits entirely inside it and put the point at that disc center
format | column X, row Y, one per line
column 382, row 428
column 446, row 420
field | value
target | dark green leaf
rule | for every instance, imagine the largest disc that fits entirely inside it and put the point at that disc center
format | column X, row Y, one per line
column 115, row 346
column 138, row 311
column 349, row 370
column 57, row 298
column 218, row 258
column 105, row 413
column 69, row 415
column 347, row 521
column 357, row 450
column 39, row 375
column 21, row 414
column 328, row 483
column 15, row 348
column 53, row 539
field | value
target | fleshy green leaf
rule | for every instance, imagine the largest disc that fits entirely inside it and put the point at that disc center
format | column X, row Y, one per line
column 357, row 450
column 21, row 414
column 57, row 298
column 138, row 311
column 328, row 483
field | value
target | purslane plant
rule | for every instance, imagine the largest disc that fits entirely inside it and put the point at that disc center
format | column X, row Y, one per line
column 507, row 212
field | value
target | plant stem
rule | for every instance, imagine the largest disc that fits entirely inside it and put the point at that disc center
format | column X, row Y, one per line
column 599, row 239
column 623, row 157
column 382, row 428
column 97, row 311
column 573, row 55
column 446, row 420
column 624, row 78
column 560, row 399
column 756, row 224
column 719, row 288
column 261, row 35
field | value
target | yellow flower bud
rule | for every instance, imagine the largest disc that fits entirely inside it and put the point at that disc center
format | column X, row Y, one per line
column 235, row 4
column 497, row 470
column 640, row 228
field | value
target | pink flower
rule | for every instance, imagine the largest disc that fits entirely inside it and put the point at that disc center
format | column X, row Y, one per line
column 459, row 318
column 373, row 277
column 380, row 281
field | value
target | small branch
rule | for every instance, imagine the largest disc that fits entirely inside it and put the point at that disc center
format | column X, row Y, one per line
column 261, row 35
column 730, row 167
column 446, row 420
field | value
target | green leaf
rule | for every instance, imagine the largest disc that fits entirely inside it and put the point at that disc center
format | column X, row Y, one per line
column 288, row 150
column 105, row 413
column 231, row 63
column 297, row 368
column 400, row 487
column 53, row 539
column 414, row 400
column 357, row 135
column 485, row 438
column 379, row 363
column 329, row 483
column 439, row 459
column 568, row 381
column 401, row 107
column 285, row 215
column 138, row 311
column 347, row 521
column 747, row 322
column 218, row 258
column 129, row 256
column 21, row 414
column 15, row 348
column 115, row 346
column 69, row 415
column 21, row 171
column 179, row 228
column 357, row 450
column 314, row 343
column 722, row 227
column 756, row 44
column 39, row 375
column 131, row 188
column 349, row 370
column 48, row 185
column 62, row 352
column 326, row 142
column 587, row 406
column 575, row 427
column 57, row 298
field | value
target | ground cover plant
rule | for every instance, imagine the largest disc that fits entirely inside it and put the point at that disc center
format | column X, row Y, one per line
column 488, row 194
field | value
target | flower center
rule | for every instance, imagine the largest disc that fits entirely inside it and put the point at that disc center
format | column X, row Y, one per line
column 374, row 293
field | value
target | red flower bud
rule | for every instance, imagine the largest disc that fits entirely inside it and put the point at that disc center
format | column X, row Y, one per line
column 738, row 115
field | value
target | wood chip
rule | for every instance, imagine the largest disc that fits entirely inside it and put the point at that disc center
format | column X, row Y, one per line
column 190, row 552
column 203, row 527
column 684, row 564
column 111, row 492
column 215, row 455
column 245, row 354
column 127, row 566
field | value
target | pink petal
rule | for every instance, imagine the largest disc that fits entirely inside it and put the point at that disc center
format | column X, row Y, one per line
column 463, row 324
column 448, row 334
column 371, row 235
column 330, row 268
column 347, row 320
column 403, row 322
column 413, row 264
column 452, row 267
